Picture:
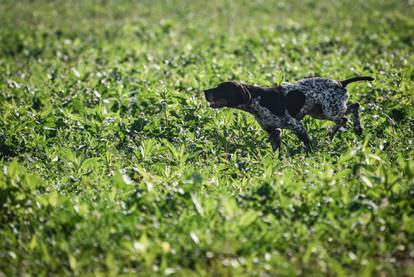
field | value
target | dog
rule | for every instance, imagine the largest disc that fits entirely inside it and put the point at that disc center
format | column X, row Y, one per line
column 284, row 106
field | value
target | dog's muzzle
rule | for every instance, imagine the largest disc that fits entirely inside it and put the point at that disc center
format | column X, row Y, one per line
column 214, row 102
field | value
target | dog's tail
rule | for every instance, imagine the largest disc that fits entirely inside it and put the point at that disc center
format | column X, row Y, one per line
column 344, row 83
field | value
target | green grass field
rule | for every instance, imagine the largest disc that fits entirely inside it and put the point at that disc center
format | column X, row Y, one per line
column 112, row 162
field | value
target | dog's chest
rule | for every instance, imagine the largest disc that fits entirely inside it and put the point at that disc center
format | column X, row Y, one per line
column 264, row 116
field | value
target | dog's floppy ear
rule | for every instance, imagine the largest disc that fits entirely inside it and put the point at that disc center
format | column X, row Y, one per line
column 246, row 95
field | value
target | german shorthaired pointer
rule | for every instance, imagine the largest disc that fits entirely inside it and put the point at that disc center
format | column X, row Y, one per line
column 283, row 107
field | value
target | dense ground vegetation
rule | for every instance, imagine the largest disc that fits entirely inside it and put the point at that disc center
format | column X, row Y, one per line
column 112, row 162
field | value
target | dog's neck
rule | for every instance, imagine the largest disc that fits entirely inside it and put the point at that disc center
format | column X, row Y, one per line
column 261, row 98
column 251, row 97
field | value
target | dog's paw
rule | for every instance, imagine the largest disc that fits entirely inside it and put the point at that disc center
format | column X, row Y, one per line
column 358, row 131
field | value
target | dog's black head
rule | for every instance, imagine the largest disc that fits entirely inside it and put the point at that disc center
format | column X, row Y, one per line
column 227, row 94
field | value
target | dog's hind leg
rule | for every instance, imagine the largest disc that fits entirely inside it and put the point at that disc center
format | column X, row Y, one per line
column 335, row 111
column 341, row 122
column 354, row 109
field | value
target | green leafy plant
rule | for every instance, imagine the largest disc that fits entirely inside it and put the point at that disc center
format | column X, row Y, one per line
column 112, row 163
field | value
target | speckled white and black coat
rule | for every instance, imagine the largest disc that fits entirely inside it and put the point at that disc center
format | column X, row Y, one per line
column 284, row 106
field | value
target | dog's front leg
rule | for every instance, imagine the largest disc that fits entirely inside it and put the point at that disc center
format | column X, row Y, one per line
column 297, row 127
column 275, row 135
